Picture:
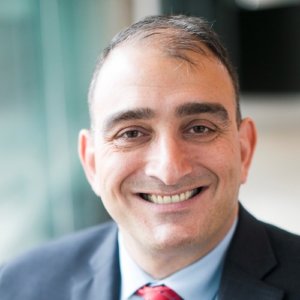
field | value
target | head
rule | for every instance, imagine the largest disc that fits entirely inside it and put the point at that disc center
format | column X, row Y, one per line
column 168, row 150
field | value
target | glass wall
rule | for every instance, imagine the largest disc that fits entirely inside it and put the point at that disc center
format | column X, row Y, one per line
column 47, row 55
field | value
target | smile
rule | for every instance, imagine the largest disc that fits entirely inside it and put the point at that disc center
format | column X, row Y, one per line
column 166, row 199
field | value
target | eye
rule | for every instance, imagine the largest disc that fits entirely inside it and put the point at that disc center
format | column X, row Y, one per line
column 131, row 137
column 131, row 134
column 200, row 129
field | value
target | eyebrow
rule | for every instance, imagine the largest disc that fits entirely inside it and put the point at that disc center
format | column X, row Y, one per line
column 187, row 109
column 194, row 108
column 127, row 115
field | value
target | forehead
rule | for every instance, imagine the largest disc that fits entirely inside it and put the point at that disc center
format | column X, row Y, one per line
column 148, row 77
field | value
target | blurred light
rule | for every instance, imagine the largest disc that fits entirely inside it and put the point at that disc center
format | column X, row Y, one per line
column 143, row 8
column 15, row 9
column 264, row 4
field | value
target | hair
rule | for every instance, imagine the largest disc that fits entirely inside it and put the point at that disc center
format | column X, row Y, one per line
column 177, row 35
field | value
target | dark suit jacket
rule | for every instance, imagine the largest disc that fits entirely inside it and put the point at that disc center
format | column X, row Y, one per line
column 262, row 263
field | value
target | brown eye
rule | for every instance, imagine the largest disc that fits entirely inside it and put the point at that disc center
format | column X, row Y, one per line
column 200, row 129
column 131, row 137
column 131, row 134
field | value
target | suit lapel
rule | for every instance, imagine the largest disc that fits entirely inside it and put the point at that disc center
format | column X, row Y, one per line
column 250, row 257
column 102, row 277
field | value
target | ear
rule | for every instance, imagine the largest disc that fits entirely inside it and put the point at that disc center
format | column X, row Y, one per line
column 86, row 151
column 248, row 138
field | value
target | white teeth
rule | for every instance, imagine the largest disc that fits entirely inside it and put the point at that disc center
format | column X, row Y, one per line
column 176, row 198
column 158, row 199
column 167, row 199
column 182, row 197
column 188, row 194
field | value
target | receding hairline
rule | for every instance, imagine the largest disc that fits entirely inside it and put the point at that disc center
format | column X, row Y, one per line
column 176, row 42
column 164, row 38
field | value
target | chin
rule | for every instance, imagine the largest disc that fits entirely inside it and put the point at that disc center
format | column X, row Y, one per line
column 174, row 238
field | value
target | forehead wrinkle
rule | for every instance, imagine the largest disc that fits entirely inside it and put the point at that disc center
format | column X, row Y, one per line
column 194, row 108
column 127, row 115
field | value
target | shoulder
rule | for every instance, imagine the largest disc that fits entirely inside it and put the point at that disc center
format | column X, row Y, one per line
column 286, row 248
column 282, row 241
column 285, row 245
column 56, row 263
column 82, row 243
column 267, row 253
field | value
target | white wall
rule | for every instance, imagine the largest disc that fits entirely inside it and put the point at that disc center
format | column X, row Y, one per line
column 272, row 192
column 142, row 8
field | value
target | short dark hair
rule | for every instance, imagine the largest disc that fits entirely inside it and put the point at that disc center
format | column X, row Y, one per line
column 177, row 34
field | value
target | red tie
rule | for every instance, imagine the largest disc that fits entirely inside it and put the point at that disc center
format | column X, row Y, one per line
column 160, row 292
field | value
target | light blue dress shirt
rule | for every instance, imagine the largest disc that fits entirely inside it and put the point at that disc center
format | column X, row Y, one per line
column 200, row 280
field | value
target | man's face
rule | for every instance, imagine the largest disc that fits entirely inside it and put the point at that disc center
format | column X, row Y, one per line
column 166, row 155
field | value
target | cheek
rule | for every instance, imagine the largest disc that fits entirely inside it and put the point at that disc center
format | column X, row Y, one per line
column 116, row 172
column 223, row 160
column 228, row 170
column 112, row 170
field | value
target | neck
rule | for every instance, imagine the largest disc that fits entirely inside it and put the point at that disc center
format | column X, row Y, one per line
column 161, row 262
column 160, row 265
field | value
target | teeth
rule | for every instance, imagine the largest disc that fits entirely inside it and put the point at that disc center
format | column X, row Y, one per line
column 158, row 199
column 182, row 197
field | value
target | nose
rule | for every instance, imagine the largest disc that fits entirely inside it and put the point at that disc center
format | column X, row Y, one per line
column 168, row 160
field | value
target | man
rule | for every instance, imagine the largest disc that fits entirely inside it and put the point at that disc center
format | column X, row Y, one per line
column 167, row 152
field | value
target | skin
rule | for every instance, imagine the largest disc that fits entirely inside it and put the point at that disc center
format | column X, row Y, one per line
column 164, row 127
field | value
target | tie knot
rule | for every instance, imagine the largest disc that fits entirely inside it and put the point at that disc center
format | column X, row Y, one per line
column 160, row 292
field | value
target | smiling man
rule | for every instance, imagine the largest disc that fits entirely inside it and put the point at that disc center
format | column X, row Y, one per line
column 166, row 153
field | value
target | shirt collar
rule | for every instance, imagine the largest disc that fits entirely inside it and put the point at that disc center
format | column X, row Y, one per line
column 199, row 280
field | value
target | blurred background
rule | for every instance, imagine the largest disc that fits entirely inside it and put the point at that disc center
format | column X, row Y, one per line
column 48, row 50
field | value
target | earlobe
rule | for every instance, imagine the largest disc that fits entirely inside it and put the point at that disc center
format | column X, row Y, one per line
column 248, row 139
column 86, row 153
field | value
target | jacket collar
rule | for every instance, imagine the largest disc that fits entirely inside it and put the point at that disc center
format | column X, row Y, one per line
column 101, row 279
column 250, row 257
